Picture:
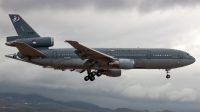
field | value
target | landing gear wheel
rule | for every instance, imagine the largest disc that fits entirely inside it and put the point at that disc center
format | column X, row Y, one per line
column 92, row 78
column 86, row 78
column 99, row 74
column 93, row 73
column 90, row 75
column 168, row 76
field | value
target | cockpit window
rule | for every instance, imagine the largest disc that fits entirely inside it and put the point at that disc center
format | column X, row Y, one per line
column 188, row 55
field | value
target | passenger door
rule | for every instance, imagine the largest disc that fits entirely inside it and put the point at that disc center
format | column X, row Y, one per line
column 148, row 55
column 180, row 55
column 54, row 58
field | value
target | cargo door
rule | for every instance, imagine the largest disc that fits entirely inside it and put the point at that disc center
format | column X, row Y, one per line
column 139, row 63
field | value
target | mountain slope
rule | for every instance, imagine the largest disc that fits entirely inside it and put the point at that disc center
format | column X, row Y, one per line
column 14, row 102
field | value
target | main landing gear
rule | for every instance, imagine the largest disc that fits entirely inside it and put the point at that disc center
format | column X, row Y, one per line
column 91, row 75
column 167, row 76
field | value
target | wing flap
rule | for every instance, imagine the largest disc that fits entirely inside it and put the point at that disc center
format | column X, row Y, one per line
column 27, row 50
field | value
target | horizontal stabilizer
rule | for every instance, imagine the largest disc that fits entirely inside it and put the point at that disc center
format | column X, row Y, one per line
column 11, row 56
column 27, row 50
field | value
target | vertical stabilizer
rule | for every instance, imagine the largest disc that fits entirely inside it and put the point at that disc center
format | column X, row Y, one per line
column 21, row 27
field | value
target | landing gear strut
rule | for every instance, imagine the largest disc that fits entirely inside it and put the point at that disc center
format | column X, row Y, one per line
column 91, row 75
column 167, row 76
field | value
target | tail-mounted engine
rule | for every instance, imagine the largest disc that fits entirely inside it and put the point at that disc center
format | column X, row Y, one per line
column 34, row 42
column 123, row 63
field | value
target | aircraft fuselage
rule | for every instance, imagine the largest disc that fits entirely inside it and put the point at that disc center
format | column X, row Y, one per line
column 142, row 58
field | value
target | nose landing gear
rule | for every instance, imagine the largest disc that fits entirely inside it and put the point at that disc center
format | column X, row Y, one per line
column 167, row 76
column 91, row 75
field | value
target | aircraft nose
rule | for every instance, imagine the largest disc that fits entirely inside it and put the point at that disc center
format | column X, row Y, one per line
column 190, row 61
column 193, row 59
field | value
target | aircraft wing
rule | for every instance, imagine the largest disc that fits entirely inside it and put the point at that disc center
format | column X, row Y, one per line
column 88, row 53
column 27, row 50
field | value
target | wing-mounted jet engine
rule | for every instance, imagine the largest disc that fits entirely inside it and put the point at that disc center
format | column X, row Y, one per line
column 123, row 63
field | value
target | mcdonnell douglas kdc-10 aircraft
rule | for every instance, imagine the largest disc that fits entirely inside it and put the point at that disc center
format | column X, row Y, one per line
column 96, row 61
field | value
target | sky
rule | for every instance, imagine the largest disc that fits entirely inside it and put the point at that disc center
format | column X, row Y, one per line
column 108, row 24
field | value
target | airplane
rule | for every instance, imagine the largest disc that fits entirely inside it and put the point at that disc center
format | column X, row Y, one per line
column 34, row 49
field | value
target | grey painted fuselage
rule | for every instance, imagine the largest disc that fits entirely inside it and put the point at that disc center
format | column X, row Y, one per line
column 143, row 58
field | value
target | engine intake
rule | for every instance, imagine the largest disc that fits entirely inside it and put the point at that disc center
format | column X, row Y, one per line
column 123, row 63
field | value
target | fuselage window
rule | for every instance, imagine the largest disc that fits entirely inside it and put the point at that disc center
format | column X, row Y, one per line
column 188, row 55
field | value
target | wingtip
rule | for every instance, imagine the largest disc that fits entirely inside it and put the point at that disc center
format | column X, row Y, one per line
column 70, row 41
column 12, row 14
column 67, row 40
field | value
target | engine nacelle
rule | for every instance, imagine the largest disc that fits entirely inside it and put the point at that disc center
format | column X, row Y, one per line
column 112, row 72
column 123, row 63
column 34, row 42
